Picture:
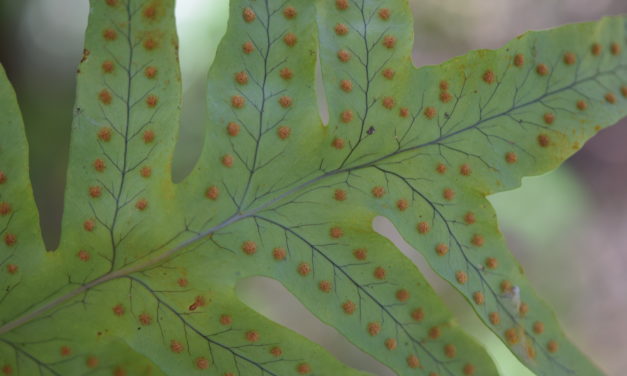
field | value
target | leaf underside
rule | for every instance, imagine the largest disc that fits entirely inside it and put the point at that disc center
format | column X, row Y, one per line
column 143, row 281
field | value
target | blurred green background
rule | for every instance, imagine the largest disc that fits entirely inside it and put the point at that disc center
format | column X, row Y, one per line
column 568, row 228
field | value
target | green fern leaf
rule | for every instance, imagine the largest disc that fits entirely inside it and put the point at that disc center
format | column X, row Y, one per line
column 143, row 281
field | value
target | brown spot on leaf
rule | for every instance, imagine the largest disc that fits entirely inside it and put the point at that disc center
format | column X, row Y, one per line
column 465, row 169
column 145, row 319
column 232, row 129
column 390, row 344
column 226, row 320
column 379, row 272
column 348, row 307
column 285, row 101
column 141, row 204
column 201, row 363
column 176, row 346
column 279, row 254
column 461, row 277
column 478, row 297
column 423, row 227
column 402, row 204
column 378, row 191
column 549, row 117
column 448, row 194
column 249, row 247
column 338, row 143
column 286, row 73
column 468, row 369
column 227, row 160
column 145, row 172
column 89, row 225
column 148, row 136
column 441, row 249
column 596, row 49
column 12, row 268
column 105, row 96
column 276, row 351
column 241, row 78
column 441, row 168
column 384, row 14
column 445, row 97
column 542, row 69
column 107, row 66
column 212, row 193
column 252, row 336
column 290, row 39
column 374, row 328
column 346, row 116
column 610, row 98
column 388, row 102
column 491, row 263
column 94, row 192
column 339, row 195
column 10, row 239
column 92, row 361
column 450, row 350
column 109, row 34
column 544, row 140
column 346, row 86
column 506, row 286
column 494, row 318
column 477, row 240
column 402, row 295
column 289, row 12
column 237, row 101
column 413, row 362
column 512, row 337
column 83, row 255
column 324, row 286
column 118, row 310
column 615, row 49
column 389, row 41
column 519, row 60
column 343, row 55
column 336, row 232
column 430, row 112
column 199, row 301
column 570, row 58
column 417, row 314
column 303, row 269
column 488, row 77
column 248, row 15
column 248, row 47
column 303, row 369
column 150, row 43
column 284, row 132
column 5, row 208
column 104, row 134
column 360, row 254
column 388, row 73
column 511, row 157
column 150, row 72
column 341, row 29
column 538, row 327
column 341, row 4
